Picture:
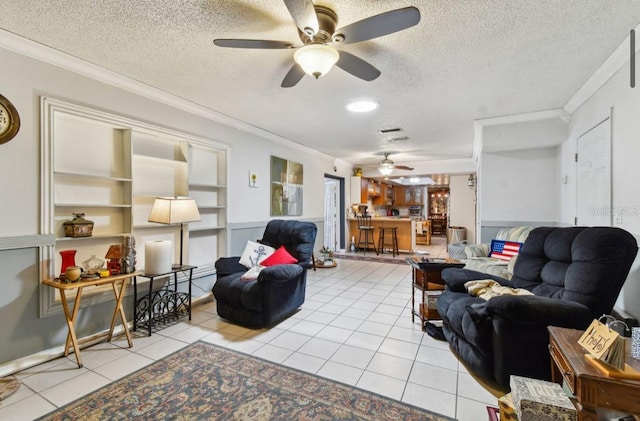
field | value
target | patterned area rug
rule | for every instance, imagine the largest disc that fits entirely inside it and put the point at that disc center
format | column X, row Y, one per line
column 204, row 381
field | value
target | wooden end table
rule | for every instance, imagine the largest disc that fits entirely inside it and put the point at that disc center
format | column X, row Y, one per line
column 593, row 389
column 71, row 314
column 427, row 278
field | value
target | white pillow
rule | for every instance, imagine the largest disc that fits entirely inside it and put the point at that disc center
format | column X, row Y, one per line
column 254, row 253
column 252, row 273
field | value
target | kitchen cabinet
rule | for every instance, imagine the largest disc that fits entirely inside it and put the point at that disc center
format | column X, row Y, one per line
column 385, row 195
column 389, row 194
column 374, row 189
column 398, row 196
column 417, row 195
column 364, row 189
column 407, row 195
column 359, row 190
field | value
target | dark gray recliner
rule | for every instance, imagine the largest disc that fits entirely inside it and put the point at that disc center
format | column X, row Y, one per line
column 279, row 290
column 575, row 274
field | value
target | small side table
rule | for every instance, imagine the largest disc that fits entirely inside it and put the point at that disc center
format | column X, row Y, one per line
column 165, row 305
column 593, row 389
column 325, row 264
column 71, row 314
column 427, row 278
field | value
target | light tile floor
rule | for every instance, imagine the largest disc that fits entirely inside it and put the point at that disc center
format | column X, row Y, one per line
column 355, row 327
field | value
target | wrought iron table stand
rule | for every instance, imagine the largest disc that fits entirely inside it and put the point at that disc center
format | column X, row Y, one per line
column 165, row 305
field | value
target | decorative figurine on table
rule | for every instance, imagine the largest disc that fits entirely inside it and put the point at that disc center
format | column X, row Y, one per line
column 327, row 255
column 114, row 255
column 128, row 254
column 93, row 265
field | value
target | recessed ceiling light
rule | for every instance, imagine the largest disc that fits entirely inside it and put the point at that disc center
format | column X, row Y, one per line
column 362, row 106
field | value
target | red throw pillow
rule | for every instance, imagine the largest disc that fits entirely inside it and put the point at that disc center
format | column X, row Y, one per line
column 279, row 257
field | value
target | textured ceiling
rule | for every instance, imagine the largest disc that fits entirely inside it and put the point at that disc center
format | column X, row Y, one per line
column 465, row 60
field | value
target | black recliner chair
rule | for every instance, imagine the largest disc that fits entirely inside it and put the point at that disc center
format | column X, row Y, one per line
column 575, row 274
column 279, row 290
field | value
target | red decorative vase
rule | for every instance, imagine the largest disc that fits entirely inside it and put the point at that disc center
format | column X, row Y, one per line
column 68, row 259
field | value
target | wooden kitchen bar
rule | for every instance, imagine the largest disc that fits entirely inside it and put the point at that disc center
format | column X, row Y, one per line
column 406, row 230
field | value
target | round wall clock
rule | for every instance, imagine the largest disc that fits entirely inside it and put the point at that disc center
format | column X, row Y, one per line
column 9, row 120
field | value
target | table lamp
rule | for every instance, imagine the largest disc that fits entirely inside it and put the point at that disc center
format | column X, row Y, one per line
column 175, row 210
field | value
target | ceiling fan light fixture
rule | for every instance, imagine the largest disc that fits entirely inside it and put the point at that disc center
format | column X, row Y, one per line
column 385, row 170
column 316, row 59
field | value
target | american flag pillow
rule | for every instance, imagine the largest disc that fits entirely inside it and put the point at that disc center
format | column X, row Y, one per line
column 504, row 250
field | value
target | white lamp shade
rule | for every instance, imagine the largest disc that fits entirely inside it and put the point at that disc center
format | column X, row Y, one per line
column 316, row 59
column 385, row 170
column 174, row 210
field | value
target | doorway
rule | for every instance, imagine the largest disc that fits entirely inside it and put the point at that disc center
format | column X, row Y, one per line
column 593, row 185
column 334, row 210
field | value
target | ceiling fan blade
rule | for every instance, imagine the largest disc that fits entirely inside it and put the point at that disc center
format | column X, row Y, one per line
column 304, row 15
column 293, row 76
column 379, row 25
column 403, row 167
column 252, row 43
column 357, row 66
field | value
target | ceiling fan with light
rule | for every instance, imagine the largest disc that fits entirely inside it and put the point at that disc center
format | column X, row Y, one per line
column 317, row 30
column 386, row 166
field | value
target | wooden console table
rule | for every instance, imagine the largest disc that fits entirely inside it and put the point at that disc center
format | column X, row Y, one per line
column 71, row 314
column 593, row 389
column 427, row 278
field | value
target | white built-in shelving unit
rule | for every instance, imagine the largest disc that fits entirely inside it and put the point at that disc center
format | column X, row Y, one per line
column 112, row 168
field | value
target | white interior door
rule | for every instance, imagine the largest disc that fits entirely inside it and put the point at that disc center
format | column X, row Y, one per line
column 593, row 183
column 331, row 189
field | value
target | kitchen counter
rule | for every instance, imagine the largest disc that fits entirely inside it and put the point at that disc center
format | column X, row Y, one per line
column 406, row 230
column 389, row 218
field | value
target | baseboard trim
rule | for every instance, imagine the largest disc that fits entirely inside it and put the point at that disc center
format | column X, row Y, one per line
column 49, row 354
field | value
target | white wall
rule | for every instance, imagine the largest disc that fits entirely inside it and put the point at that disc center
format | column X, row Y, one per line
column 462, row 205
column 519, row 187
column 543, row 133
column 618, row 99
column 623, row 103
column 24, row 80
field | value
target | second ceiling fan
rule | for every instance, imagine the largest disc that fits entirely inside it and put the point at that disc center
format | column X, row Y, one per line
column 317, row 30
column 386, row 166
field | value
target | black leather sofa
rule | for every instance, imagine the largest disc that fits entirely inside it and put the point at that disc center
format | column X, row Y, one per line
column 279, row 290
column 575, row 274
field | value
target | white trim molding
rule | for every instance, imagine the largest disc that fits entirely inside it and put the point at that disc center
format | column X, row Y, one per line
column 26, row 241
column 65, row 61
column 619, row 58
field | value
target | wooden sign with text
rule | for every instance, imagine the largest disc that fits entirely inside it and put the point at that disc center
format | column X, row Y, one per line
column 604, row 344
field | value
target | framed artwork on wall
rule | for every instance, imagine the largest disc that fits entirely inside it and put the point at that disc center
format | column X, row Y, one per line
column 286, row 187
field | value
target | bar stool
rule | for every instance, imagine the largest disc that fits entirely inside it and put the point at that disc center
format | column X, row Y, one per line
column 394, row 239
column 364, row 227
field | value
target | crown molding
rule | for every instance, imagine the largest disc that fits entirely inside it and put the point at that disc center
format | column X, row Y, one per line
column 611, row 66
column 524, row 117
column 32, row 49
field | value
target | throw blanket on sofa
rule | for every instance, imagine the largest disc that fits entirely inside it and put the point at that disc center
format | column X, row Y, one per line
column 488, row 288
